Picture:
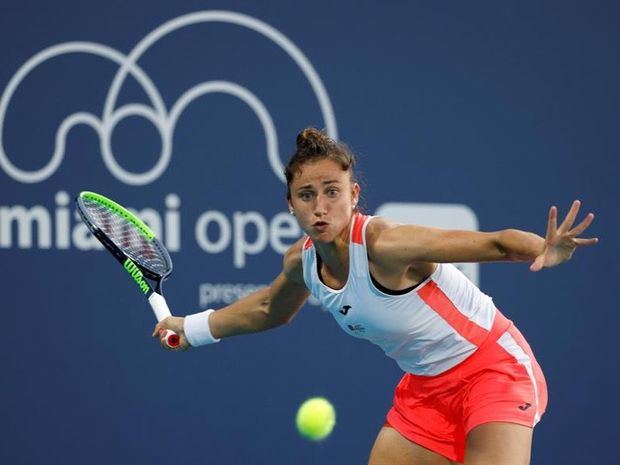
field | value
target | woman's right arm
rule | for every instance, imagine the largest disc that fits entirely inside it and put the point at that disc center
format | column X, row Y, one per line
column 264, row 309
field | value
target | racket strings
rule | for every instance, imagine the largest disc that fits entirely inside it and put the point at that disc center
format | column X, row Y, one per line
column 128, row 238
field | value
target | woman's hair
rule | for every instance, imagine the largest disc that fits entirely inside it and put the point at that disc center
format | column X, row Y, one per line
column 314, row 145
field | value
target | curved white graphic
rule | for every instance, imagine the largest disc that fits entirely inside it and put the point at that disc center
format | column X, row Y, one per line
column 164, row 120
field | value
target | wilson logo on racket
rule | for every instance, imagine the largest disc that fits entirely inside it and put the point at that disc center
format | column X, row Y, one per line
column 136, row 274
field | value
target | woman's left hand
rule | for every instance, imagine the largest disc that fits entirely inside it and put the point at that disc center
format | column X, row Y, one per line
column 560, row 243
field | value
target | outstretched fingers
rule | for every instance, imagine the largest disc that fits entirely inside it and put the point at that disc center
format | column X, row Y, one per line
column 581, row 227
column 552, row 222
column 560, row 243
column 590, row 241
column 570, row 217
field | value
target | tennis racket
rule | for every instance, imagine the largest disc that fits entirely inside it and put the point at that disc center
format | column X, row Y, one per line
column 134, row 245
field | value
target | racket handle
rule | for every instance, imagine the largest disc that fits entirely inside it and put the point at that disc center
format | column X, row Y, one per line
column 161, row 310
column 172, row 339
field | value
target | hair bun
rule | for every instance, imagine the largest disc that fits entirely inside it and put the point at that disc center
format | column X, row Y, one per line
column 314, row 145
column 312, row 140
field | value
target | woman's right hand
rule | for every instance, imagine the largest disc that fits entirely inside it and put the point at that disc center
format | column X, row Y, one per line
column 173, row 323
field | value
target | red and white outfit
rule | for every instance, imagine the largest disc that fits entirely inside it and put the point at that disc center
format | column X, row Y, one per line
column 465, row 364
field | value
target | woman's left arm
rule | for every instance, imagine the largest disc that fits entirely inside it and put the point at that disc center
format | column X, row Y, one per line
column 412, row 243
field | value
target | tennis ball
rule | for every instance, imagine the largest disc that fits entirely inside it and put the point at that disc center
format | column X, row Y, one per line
column 316, row 418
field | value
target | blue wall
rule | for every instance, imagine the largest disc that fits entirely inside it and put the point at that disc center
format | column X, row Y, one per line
column 505, row 108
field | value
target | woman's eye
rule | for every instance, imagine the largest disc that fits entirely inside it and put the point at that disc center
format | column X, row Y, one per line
column 332, row 192
column 305, row 195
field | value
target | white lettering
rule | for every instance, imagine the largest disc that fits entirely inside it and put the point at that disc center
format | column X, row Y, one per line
column 241, row 246
column 224, row 293
column 243, row 233
column 283, row 226
column 202, row 236
column 227, row 293
column 173, row 223
column 63, row 221
column 25, row 218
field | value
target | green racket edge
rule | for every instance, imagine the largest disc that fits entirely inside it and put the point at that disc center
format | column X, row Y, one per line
column 120, row 210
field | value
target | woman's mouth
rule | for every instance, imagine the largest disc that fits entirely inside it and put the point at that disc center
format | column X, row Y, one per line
column 320, row 225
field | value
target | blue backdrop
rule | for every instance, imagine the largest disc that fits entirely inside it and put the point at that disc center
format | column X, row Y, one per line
column 186, row 112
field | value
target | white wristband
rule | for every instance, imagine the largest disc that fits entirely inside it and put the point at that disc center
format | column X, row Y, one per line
column 197, row 330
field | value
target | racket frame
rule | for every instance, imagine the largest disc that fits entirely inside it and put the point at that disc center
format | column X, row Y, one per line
column 133, row 268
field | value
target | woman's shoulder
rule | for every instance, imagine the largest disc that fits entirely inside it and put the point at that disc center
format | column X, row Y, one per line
column 384, row 241
column 293, row 253
column 377, row 227
column 292, row 263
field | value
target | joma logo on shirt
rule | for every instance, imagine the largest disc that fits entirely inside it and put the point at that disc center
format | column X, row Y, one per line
column 345, row 309
column 357, row 328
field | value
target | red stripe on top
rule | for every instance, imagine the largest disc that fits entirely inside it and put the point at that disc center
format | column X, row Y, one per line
column 441, row 303
column 358, row 225
column 308, row 243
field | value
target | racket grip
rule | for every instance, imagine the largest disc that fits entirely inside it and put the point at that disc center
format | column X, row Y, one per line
column 172, row 339
column 161, row 310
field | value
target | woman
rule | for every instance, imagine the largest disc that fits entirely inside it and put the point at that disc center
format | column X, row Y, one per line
column 472, row 390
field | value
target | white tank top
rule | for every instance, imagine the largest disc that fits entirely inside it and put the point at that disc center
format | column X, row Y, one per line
column 427, row 330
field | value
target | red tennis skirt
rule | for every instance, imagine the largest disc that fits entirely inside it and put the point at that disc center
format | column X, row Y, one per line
column 500, row 382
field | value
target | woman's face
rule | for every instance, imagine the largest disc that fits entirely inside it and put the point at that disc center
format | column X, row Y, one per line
column 323, row 199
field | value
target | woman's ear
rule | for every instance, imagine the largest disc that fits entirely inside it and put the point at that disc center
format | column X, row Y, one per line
column 356, row 194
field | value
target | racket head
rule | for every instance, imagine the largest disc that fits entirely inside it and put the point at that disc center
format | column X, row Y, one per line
column 124, row 234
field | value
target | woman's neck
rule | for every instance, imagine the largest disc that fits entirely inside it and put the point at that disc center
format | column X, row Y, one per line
column 335, row 254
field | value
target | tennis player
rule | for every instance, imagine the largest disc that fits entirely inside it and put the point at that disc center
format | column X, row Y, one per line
column 472, row 390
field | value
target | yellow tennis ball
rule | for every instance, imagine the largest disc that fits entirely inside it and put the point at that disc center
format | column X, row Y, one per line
column 316, row 418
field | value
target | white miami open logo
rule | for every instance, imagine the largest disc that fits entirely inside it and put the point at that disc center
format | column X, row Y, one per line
column 162, row 118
